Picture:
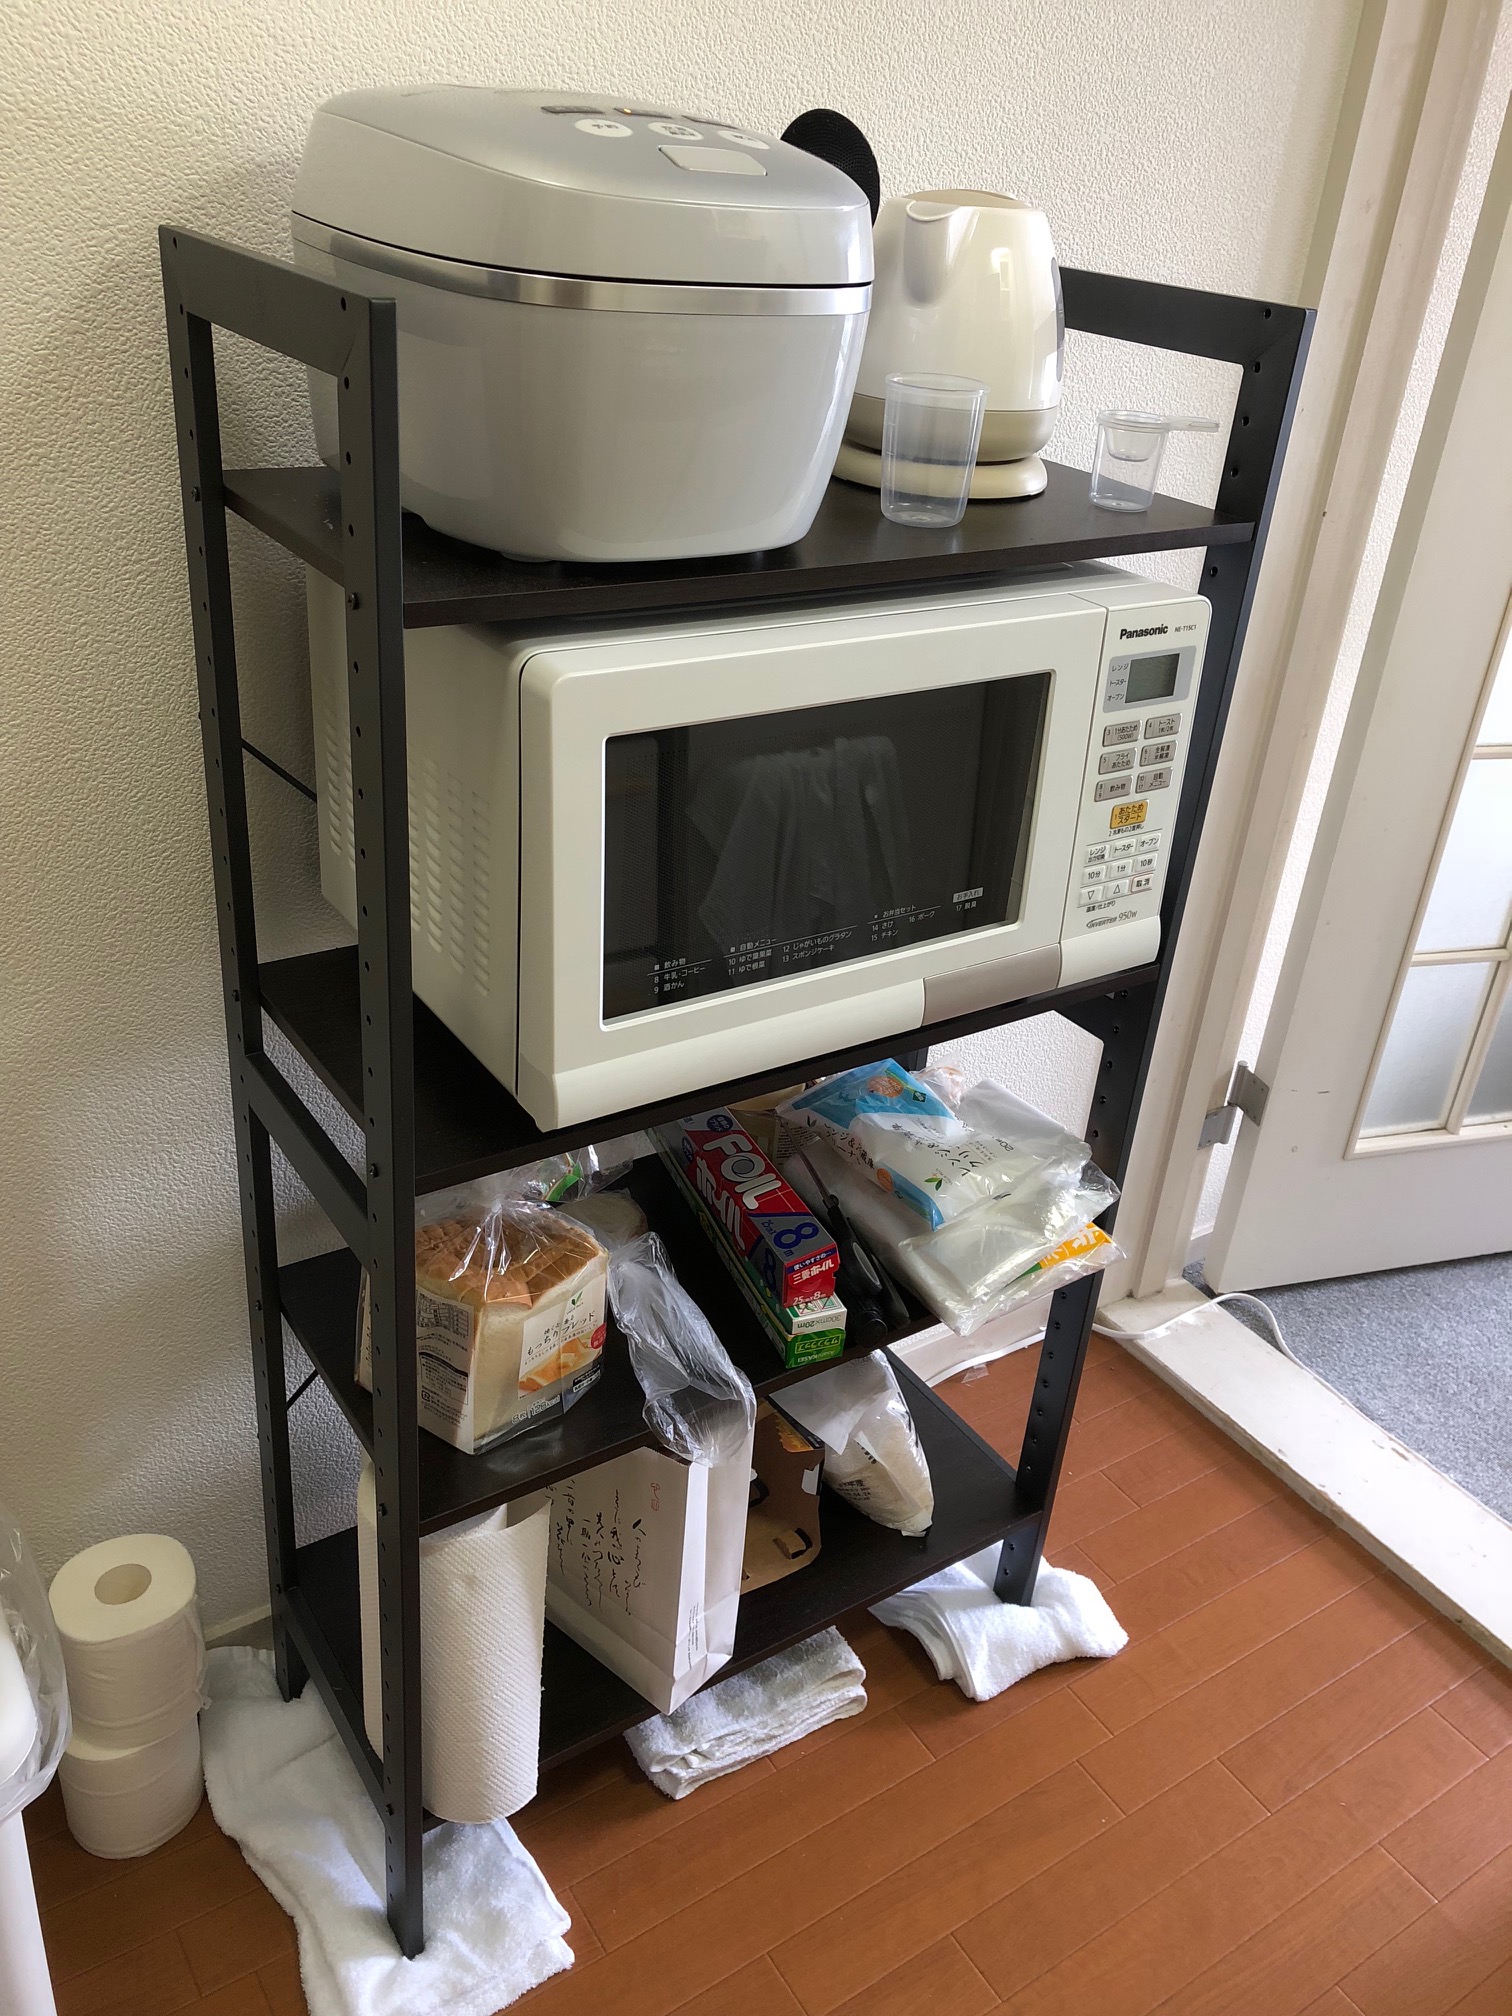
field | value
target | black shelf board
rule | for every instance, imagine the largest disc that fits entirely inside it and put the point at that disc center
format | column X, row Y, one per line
column 319, row 1299
column 583, row 1703
column 850, row 546
column 467, row 1125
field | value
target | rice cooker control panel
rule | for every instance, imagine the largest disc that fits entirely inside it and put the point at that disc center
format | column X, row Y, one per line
column 1152, row 660
column 695, row 149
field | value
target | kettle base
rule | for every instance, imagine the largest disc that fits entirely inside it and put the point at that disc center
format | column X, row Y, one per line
column 991, row 482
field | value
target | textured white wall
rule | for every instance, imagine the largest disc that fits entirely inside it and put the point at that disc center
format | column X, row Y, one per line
column 1183, row 141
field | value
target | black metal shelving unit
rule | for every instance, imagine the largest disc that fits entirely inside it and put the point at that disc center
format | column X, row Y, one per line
column 430, row 1114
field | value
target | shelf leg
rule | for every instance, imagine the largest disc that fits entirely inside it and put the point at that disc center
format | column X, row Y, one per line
column 368, row 407
column 1046, row 1431
column 197, row 412
column 1122, row 1022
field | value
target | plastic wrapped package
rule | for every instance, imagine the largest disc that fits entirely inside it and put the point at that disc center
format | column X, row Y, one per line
column 875, row 1460
column 26, row 1620
column 509, row 1314
column 610, row 1215
column 582, row 1173
column 941, row 1159
column 989, row 1260
column 698, row 1402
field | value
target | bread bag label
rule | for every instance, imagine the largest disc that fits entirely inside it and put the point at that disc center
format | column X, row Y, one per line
column 444, row 1351
column 562, row 1343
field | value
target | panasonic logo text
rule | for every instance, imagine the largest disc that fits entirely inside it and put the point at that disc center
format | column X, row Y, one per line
column 1154, row 630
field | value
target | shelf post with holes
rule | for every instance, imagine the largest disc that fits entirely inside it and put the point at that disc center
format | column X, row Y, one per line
column 430, row 1115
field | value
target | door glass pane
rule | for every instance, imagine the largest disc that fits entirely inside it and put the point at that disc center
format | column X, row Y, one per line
column 740, row 851
column 1497, row 726
column 1492, row 1097
column 1472, row 892
column 1430, row 1034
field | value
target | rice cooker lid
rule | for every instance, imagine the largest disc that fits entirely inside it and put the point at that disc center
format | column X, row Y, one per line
column 582, row 183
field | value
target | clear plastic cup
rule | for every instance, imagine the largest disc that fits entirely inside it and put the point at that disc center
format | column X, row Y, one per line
column 1129, row 448
column 931, row 426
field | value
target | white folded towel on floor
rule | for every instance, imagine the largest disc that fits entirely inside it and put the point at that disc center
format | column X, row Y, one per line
column 751, row 1714
column 282, row 1786
column 984, row 1645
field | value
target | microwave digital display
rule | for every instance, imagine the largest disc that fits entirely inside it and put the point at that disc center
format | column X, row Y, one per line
column 741, row 851
column 1151, row 678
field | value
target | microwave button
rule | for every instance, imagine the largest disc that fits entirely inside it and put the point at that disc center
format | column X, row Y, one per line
column 1157, row 752
column 1145, row 864
column 1113, row 890
column 1111, row 764
column 1098, row 852
column 1151, row 840
column 1117, row 847
column 1162, row 724
column 1110, row 787
column 1119, row 733
column 1140, row 882
column 1155, row 780
column 1097, row 874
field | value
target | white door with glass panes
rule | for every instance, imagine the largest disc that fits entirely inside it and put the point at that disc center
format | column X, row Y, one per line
column 1387, row 1137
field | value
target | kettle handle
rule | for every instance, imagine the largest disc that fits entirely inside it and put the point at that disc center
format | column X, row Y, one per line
column 927, row 245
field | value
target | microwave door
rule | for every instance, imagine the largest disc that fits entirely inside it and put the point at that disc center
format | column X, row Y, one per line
column 794, row 842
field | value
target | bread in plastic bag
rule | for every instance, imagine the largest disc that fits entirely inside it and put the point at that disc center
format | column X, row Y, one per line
column 510, row 1313
column 698, row 1403
column 874, row 1457
column 986, row 1262
column 26, row 1622
column 942, row 1159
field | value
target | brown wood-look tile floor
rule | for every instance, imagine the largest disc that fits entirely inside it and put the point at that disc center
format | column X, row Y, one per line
column 1291, row 1795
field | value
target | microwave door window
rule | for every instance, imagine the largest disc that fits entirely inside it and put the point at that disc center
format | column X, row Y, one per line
column 746, row 850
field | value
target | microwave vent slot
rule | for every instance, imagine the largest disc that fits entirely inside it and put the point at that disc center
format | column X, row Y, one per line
column 449, row 858
column 449, row 855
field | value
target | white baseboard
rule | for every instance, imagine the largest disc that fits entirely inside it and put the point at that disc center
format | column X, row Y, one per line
column 939, row 1354
column 250, row 1627
column 1442, row 1542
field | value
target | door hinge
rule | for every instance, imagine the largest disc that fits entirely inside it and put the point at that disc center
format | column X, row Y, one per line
column 1247, row 1094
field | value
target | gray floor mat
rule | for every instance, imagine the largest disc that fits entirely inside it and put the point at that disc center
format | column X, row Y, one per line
column 1425, row 1351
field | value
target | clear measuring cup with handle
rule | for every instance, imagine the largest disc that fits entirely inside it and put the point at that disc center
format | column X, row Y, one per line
column 1129, row 448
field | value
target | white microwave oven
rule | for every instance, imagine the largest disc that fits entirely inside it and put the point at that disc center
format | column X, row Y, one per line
column 645, row 860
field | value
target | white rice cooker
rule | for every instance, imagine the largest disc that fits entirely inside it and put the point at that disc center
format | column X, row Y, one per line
column 624, row 333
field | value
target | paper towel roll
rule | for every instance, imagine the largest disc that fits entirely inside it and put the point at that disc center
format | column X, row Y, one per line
column 129, row 1621
column 482, row 1622
column 127, row 1799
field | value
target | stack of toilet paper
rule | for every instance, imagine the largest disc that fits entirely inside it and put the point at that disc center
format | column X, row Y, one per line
column 128, row 1615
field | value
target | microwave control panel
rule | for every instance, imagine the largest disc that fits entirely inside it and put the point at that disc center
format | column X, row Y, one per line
column 1136, row 757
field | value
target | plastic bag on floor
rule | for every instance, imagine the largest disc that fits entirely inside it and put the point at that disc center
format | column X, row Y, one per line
column 875, row 1460
column 26, row 1624
column 697, row 1401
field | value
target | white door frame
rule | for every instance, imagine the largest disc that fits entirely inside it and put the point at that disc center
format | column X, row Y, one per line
column 1414, row 86
column 1452, row 1549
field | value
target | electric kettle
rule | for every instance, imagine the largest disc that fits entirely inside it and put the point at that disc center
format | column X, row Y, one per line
column 967, row 283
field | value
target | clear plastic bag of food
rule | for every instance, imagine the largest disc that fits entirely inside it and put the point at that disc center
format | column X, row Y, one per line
column 581, row 1173
column 941, row 1158
column 510, row 1313
column 989, row 1260
column 698, row 1402
column 29, row 1638
column 874, row 1458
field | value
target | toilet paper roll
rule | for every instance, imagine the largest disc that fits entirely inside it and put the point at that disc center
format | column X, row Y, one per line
column 127, row 1799
column 129, row 1621
column 482, row 1623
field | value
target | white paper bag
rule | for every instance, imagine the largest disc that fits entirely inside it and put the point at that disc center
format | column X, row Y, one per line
column 644, row 1566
